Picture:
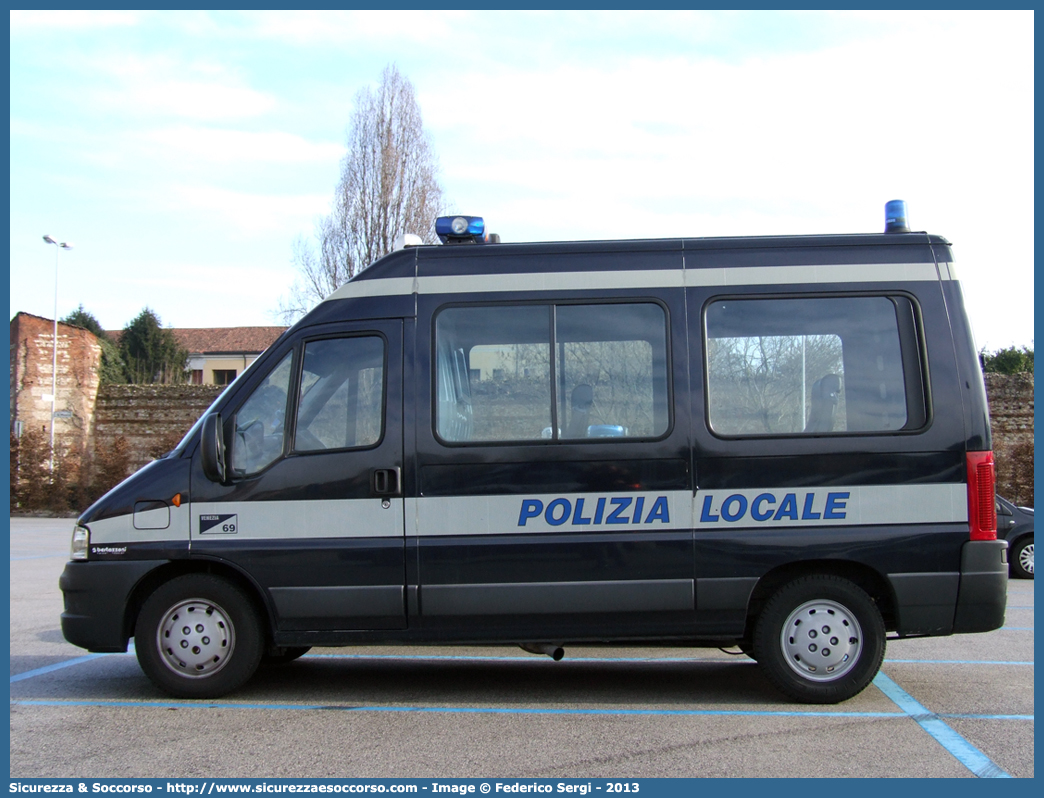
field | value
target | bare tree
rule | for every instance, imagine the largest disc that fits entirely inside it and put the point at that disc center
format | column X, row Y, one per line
column 389, row 185
column 763, row 384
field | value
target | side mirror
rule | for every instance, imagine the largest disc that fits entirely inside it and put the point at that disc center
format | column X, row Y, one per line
column 212, row 448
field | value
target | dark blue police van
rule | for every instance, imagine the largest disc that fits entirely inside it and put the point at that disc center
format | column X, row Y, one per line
column 776, row 443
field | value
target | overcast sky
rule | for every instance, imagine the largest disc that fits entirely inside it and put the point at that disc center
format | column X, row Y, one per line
column 182, row 152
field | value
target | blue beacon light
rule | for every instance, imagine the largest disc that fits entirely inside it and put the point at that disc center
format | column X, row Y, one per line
column 895, row 217
column 460, row 229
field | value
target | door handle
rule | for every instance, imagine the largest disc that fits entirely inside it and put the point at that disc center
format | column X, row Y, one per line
column 386, row 482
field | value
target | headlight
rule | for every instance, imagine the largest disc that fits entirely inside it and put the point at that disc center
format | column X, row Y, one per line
column 81, row 539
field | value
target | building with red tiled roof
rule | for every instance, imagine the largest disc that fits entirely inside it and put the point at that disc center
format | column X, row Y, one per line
column 217, row 355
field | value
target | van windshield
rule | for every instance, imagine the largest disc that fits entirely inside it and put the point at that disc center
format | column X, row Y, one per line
column 178, row 450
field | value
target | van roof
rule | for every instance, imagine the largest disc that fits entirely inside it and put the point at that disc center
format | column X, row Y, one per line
column 831, row 258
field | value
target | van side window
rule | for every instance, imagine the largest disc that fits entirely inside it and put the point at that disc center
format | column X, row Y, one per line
column 551, row 372
column 493, row 373
column 341, row 401
column 611, row 370
column 812, row 366
column 260, row 422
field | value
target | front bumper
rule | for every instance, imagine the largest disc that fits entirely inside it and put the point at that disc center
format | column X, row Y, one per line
column 96, row 600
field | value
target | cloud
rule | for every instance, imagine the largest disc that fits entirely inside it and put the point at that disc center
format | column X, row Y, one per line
column 123, row 85
column 197, row 100
column 311, row 28
column 157, row 86
column 228, row 146
column 247, row 213
column 828, row 128
column 72, row 19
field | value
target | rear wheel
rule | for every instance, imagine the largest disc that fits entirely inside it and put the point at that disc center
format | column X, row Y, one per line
column 820, row 639
column 198, row 636
column 1021, row 558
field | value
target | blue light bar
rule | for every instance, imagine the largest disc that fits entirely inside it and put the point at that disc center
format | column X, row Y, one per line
column 895, row 217
column 460, row 229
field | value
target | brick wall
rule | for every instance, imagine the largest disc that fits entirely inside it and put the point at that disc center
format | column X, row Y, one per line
column 149, row 417
column 79, row 362
column 1011, row 407
column 1011, row 421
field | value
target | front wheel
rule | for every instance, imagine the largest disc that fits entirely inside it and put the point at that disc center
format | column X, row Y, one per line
column 1022, row 558
column 198, row 636
column 820, row 639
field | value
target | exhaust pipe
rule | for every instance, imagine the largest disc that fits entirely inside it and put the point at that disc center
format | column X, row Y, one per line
column 555, row 652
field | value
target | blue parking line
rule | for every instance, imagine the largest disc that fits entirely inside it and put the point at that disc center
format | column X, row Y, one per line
column 797, row 713
column 57, row 666
column 458, row 710
column 956, row 662
column 965, row 753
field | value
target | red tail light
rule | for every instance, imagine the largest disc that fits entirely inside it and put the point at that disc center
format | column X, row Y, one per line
column 982, row 508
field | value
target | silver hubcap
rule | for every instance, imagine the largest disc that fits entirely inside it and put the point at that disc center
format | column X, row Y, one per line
column 195, row 638
column 821, row 640
column 1026, row 558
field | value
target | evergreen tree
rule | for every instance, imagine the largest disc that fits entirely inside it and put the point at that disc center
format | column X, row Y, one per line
column 112, row 367
column 150, row 352
column 1013, row 360
column 83, row 318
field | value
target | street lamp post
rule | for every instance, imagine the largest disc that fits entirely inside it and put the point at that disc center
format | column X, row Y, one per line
column 54, row 358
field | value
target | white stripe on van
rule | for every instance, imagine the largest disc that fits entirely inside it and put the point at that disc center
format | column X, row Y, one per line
column 388, row 286
column 651, row 511
column 122, row 528
column 813, row 275
column 653, row 278
column 867, row 505
column 557, row 513
column 287, row 520
column 536, row 513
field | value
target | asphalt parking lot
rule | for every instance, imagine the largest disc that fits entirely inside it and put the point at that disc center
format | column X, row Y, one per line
column 958, row 707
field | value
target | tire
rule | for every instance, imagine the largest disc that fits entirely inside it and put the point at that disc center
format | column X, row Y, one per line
column 1021, row 558
column 792, row 650
column 211, row 656
column 280, row 655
